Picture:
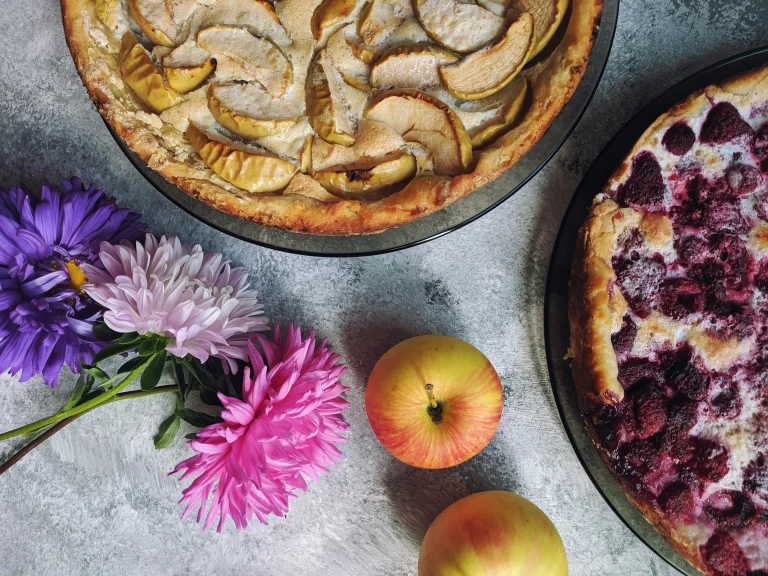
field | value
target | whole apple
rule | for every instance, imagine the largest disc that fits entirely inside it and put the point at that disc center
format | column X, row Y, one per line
column 434, row 401
column 492, row 534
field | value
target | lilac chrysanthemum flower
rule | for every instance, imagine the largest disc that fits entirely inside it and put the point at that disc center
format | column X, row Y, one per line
column 203, row 305
column 45, row 317
column 287, row 425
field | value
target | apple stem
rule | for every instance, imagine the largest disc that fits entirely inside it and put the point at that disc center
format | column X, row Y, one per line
column 435, row 411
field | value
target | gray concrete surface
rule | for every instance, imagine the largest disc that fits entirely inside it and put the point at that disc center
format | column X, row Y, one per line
column 96, row 499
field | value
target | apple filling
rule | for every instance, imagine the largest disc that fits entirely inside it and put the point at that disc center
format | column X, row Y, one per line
column 296, row 84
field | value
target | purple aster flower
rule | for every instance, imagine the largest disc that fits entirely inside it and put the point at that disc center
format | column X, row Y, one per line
column 46, row 319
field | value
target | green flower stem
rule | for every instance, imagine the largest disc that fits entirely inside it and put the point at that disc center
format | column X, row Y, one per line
column 80, row 408
column 26, row 449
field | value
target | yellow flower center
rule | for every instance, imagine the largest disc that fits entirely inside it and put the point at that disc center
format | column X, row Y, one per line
column 76, row 275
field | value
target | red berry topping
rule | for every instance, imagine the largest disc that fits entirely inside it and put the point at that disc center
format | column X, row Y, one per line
column 651, row 415
column 639, row 279
column 624, row 339
column 723, row 555
column 678, row 139
column 756, row 476
column 727, row 402
column 709, row 460
column 723, row 124
column 677, row 502
column 686, row 375
column 644, row 189
column 680, row 297
column 761, row 277
column 691, row 248
column 729, row 509
column 634, row 370
column 743, row 179
column 637, row 459
column 724, row 217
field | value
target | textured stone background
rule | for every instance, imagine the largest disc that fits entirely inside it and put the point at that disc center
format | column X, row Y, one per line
column 96, row 498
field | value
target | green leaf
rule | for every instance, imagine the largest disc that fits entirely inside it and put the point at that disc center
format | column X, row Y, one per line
column 181, row 381
column 167, row 432
column 131, row 365
column 80, row 388
column 104, row 332
column 147, row 347
column 130, row 338
column 197, row 419
column 191, row 436
column 151, row 375
column 96, row 373
column 112, row 350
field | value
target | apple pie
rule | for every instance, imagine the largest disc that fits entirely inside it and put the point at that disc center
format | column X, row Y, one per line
column 669, row 326
column 330, row 116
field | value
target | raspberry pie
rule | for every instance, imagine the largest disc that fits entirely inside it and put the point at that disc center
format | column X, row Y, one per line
column 669, row 326
column 330, row 116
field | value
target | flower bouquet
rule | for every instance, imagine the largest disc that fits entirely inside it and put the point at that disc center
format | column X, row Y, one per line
column 82, row 282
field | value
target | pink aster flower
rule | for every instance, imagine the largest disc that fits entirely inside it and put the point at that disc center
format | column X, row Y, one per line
column 286, row 426
column 203, row 305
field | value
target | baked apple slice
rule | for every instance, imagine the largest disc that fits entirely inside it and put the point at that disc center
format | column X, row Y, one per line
column 107, row 11
column 487, row 71
column 368, row 176
column 242, row 56
column 354, row 71
column 247, row 110
column 246, row 170
column 411, row 66
column 361, row 51
column 379, row 18
column 487, row 118
column 326, row 108
column 330, row 13
column 155, row 20
column 463, row 27
column 187, row 67
column 419, row 117
column 547, row 15
column 141, row 74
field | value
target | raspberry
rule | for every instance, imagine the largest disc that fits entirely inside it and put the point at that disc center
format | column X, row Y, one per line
column 678, row 139
column 723, row 555
column 638, row 458
column 723, row 123
column 756, row 476
column 729, row 509
column 761, row 277
column 677, row 502
column 639, row 279
column 709, row 460
column 691, row 249
column 724, row 217
column 644, row 189
column 633, row 370
column 686, row 376
column 680, row 297
column 650, row 410
column 743, row 179
column 727, row 403
column 624, row 339
column 675, row 441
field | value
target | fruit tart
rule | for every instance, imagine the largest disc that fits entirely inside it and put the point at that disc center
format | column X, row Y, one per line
column 668, row 313
column 330, row 116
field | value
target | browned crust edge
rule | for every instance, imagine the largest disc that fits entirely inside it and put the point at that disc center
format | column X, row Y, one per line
column 594, row 306
column 553, row 82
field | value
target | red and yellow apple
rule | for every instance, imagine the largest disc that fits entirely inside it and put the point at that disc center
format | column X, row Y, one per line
column 434, row 401
column 492, row 534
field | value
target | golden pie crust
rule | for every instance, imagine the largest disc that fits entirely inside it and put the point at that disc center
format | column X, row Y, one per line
column 553, row 79
column 597, row 306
